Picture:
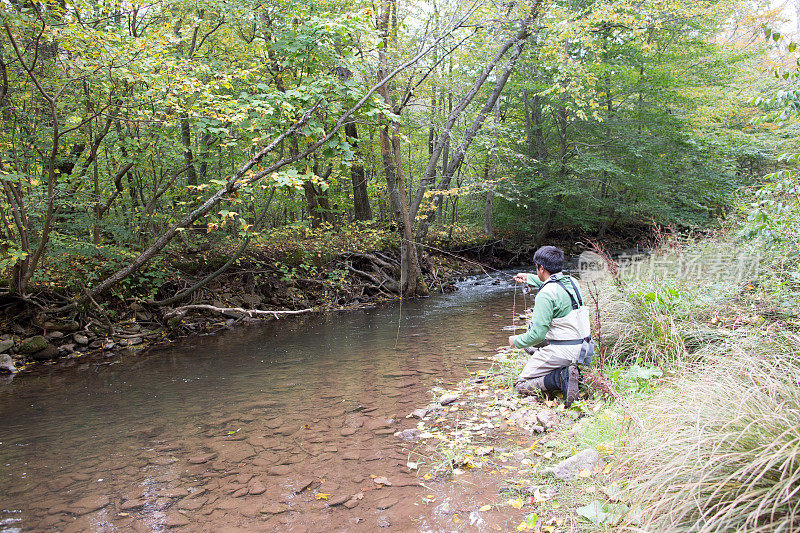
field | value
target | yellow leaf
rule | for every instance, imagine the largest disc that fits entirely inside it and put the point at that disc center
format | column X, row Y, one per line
column 605, row 448
column 485, row 508
column 516, row 504
column 321, row 496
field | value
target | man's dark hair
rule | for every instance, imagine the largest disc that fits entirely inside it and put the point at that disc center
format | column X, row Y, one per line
column 550, row 257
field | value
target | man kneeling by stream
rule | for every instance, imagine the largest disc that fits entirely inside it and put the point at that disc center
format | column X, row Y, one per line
column 559, row 335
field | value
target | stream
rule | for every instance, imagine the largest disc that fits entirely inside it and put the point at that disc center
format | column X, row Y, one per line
column 267, row 427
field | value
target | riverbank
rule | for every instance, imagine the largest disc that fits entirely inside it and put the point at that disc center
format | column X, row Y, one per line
column 294, row 272
column 259, row 287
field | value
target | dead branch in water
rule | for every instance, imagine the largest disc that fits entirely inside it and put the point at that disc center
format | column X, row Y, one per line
column 236, row 311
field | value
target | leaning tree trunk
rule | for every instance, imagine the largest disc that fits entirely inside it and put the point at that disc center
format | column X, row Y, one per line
column 518, row 44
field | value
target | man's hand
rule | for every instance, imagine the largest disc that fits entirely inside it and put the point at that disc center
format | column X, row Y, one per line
column 511, row 340
column 522, row 277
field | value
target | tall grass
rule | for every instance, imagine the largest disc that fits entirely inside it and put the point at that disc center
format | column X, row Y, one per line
column 720, row 447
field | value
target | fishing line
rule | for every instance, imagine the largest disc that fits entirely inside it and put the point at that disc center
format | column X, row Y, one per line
column 399, row 317
column 482, row 266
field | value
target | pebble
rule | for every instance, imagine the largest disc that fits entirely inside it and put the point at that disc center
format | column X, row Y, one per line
column 568, row 469
column 338, row 500
column 419, row 413
column 190, row 504
column 130, row 505
column 274, row 508
column 547, row 418
column 354, row 500
column 386, row 503
column 448, row 399
column 174, row 493
column 175, row 520
column 257, row 488
column 89, row 504
column 200, row 459
column 280, row 470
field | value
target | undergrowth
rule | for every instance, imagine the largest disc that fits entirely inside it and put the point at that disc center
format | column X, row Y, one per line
column 718, row 447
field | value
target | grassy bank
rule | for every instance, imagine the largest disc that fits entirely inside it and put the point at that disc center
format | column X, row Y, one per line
column 716, row 445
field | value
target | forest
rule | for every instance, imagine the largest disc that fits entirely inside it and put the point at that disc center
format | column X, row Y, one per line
column 133, row 131
column 169, row 168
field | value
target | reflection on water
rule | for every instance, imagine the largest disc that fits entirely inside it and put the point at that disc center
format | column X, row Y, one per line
column 253, row 428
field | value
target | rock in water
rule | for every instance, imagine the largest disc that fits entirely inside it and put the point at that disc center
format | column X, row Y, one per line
column 32, row 345
column 7, row 364
column 419, row 413
column 409, row 435
column 568, row 468
column 274, row 508
column 175, row 520
column 49, row 352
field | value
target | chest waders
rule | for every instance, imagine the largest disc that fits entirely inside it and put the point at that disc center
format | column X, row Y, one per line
column 573, row 325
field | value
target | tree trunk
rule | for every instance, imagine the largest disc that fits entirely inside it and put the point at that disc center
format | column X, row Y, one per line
column 186, row 139
column 411, row 281
column 361, row 208
column 563, row 173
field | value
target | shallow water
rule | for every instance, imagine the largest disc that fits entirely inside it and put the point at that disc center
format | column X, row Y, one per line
column 250, row 429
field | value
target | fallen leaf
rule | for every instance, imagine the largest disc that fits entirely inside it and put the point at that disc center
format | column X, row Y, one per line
column 412, row 465
column 605, row 448
column 485, row 508
column 321, row 496
column 539, row 497
column 516, row 504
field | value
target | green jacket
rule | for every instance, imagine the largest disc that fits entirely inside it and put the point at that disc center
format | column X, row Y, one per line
column 545, row 309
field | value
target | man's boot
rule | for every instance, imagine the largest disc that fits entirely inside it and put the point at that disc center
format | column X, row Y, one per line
column 530, row 387
column 569, row 384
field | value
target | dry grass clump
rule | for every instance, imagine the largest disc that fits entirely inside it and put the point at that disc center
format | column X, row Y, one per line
column 720, row 448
